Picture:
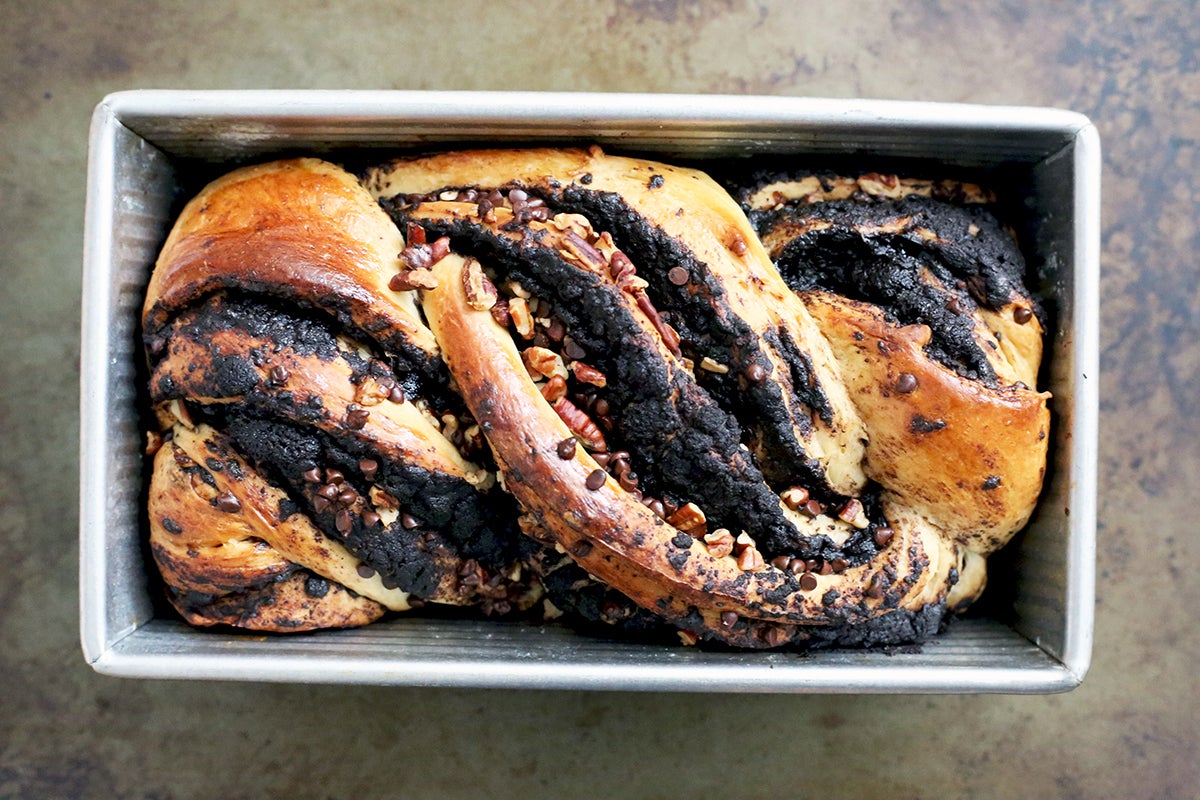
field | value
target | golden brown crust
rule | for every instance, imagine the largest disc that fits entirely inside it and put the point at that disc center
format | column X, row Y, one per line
column 302, row 229
column 969, row 457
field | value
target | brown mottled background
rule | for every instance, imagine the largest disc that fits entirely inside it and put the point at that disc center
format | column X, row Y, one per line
column 1129, row 731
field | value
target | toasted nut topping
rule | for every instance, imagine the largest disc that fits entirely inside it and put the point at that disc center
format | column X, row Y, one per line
column 743, row 541
column 481, row 293
column 580, row 424
column 795, row 497
column 689, row 519
column 544, row 362
column 853, row 513
column 412, row 279
column 585, row 373
column 518, row 309
column 709, row 365
column 750, row 560
column 688, row 638
column 554, row 388
column 720, row 542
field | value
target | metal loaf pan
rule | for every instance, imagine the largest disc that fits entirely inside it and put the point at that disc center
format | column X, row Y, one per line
column 150, row 148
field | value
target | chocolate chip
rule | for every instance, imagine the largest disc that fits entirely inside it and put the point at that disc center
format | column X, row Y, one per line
column 396, row 395
column 756, row 373
column 365, row 572
column 356, row 416
column 601, row 408
column 573, row 351
column 596, row 479
column 320, row 504
column 678, row 276
column 796, row 566
column 808, row 581
column 334, row 476
column 370, row 519
column 839, row 564
column 628, row 480
column 228, row 503
column 875, row 590
column 408, row 521
column 728, row 619
column 780, row 562
column 826, row 568
column 883, row 536
column 1021, row 315
column 656, row 506
column 906, row 383
column 312, row 475
column 566, row 448
column 329, row 491
column 812, row 508
column 343, row 521
column 279, row 375
column 346, row 496
column 368, row 467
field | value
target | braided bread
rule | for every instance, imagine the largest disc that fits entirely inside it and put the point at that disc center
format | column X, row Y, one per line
column 809, row 425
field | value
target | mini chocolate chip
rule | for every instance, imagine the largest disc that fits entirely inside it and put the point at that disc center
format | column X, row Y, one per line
column 279, row 374
column 596, row 479
column 728, row 619
column 656, row 506
column 602, row 408
column 826, row 568
column 602, row 458
column 368, row 467
column 906, row 383
column 343, row 521
column 334, row 476
column 396, row 395
column 389, row 582
column 756, row 373
column 329, row 491
column 320, row 504
column 346, row 496
column 883, row 536
column 573, row 351
column 581, row 548
column 370, row 519
column 678, row 276
column 812, row 508
column 365, row 572
column 875, row 589
column 628, row 480
column 312, row 475
column 1021, row 315
column 356, row 416
column 808, row 581
column 408, row 521
column 796, row 566
column 839, row 564
column 228, row 503
column 566, row 448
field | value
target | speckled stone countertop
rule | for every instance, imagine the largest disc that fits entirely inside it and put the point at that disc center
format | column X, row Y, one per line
column 1128, row 731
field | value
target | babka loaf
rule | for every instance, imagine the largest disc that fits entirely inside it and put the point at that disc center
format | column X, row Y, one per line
column 800, row 413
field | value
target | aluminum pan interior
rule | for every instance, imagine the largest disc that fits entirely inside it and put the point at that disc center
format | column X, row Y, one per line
column 139, row 143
